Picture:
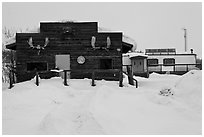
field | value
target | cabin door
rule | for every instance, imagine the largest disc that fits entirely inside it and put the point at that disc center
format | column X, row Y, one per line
column 62, row 62
column 138, row 65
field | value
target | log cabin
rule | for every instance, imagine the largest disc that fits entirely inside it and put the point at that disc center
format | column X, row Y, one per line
column 77, row 47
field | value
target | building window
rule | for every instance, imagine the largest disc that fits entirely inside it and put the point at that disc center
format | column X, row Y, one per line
column 105, row 63
column 169, row 61
column 152, row 62
column 39, row 66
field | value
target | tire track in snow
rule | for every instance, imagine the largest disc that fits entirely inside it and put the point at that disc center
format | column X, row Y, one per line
column 72, row 117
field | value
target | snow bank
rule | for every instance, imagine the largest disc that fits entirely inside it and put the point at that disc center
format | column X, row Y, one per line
column 157, row 75
column 144, row 111
column 188, row 89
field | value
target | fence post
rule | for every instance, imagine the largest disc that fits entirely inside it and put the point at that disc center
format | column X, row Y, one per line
column 120, row 78
column 136, row 83
column 65, row 78
column 37, row 79
column 130, row 76
column 93, row 78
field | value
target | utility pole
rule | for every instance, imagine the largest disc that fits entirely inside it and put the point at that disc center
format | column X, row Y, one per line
column 185, row 38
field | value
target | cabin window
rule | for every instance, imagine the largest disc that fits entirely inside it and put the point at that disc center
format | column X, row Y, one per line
column 39, row 66
column 169, row 61
column 152, row 62
column 105, row 63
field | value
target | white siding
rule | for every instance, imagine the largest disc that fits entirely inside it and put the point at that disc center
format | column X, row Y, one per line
column 145, row 65
column 179, row 59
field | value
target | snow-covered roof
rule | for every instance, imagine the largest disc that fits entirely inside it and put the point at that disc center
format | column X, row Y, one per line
column 10, row 41
column 125, row 38
column 135, row 54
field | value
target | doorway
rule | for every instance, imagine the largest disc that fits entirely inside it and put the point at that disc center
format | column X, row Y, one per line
column 138, row 65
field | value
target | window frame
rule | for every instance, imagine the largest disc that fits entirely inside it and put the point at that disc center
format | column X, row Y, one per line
column 100, row 66
column 167, row 63
column 155, row 64
column 31, row 70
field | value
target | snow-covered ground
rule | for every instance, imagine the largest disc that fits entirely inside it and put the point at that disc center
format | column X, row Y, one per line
column 53, row 108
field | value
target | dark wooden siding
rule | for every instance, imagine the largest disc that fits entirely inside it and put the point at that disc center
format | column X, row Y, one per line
column 75, row 46
column 77, row 27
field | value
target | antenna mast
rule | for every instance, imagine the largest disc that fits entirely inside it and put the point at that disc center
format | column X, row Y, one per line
column 185, row 38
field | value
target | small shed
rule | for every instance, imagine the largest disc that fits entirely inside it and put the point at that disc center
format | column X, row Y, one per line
column 138, row 63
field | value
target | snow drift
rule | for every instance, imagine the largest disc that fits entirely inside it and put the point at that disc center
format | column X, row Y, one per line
column 188, row 89
column 144, row 112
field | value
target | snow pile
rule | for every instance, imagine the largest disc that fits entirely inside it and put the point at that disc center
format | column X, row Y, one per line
column 188, row 89
column 132, row 112
column 144, row 111
column 157, row 75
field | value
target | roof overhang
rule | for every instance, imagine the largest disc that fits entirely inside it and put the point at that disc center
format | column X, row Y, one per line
column 126, row 47
column 135, row 55
column 11, row 46
column 138, row 57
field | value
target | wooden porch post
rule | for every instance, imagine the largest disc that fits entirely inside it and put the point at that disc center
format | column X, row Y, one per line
column 93, row 78
column 136, row 84
column 130, row 76
column 65, row 78
column 120, row 78
column 37, row 78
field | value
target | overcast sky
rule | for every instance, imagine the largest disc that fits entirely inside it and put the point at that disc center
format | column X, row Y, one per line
column 151, row 25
